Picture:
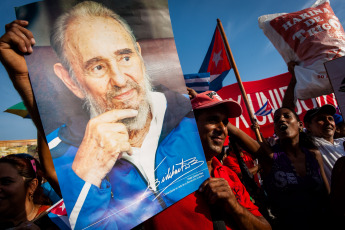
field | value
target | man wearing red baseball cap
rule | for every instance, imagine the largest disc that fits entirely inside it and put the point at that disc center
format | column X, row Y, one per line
column 212, row 113
column 221, row 201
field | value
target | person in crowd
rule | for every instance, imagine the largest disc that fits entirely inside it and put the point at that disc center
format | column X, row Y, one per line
column 340, row 126
column 247, row 170
column 320, row 124
column 221, row 201
column 130, row 129
column 231, row 161
column 292, row 173
column 337, row 198
column 21, row 195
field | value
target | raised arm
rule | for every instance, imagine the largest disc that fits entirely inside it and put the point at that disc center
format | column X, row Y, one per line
column 14, row 44
column 243, row 140
column 46, row 161
column 289, row 97
column 261, row 151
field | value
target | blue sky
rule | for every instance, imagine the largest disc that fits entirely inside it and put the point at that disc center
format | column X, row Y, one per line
column 193, row 24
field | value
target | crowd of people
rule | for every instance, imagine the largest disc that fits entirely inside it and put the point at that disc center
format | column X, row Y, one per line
column 297, row 183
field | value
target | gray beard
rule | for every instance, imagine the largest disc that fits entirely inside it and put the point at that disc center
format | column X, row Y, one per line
column 133, row 123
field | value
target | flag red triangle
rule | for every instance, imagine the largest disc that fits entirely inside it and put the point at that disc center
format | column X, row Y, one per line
column 218, row 61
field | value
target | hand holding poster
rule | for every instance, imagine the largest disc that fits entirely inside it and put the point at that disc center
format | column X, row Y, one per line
column 121, row 150
column 309, row 37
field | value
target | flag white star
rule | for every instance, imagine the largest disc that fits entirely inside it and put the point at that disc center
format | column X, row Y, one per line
column 63, row 207
column 217, row 57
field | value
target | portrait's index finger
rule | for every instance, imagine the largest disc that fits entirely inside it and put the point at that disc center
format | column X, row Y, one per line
column 117, row 114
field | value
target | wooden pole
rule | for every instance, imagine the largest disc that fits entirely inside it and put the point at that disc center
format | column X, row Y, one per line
column 239, row 81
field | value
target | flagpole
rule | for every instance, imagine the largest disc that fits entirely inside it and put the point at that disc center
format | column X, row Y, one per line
column 239, row 81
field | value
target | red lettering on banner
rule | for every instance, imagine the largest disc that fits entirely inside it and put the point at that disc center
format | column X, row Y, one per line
column 305, row 107
column 282, row 93
column 273, row 100
column 298, row 29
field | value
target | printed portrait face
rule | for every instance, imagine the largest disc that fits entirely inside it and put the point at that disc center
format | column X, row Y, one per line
column 108, row 69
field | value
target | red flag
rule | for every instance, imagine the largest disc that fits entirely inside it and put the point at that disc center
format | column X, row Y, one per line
column 58, row 208
column 58, row 214
column 216, row 61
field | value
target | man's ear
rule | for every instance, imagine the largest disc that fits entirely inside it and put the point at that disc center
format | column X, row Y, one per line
column 337, row 129
column 64, row 76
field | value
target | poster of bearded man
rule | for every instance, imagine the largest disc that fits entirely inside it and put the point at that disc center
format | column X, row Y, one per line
column 111, row 97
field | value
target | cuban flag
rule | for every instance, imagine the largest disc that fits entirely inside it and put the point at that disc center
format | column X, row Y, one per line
column 265, row 110
column 214, row 68
column 58, row 214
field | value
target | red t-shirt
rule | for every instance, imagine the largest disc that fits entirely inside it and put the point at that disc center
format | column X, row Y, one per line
column 232, row 162
column 192, row 212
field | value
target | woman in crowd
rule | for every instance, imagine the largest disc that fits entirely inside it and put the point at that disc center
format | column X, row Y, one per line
column 293, row 175
column 21, row 194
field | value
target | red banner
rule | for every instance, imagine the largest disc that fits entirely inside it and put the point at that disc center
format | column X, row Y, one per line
column 272, row 89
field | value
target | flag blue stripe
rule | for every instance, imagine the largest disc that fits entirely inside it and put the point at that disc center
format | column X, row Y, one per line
column 265, row 113
column 205, row 63
column 58, row 221
column 196, row 75
column 217, row 83
column 200, row 89
column 263, row 108
column 198, row 84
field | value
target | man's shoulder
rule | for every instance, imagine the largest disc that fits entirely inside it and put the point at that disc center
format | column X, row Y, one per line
column 339, row 140
column 318, row 141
